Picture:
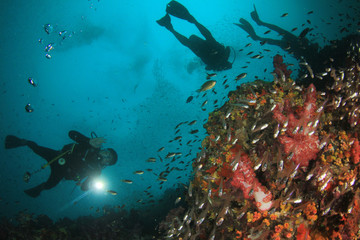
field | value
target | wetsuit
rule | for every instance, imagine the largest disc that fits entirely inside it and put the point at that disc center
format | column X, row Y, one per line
column 81, row 161
column 211, row 52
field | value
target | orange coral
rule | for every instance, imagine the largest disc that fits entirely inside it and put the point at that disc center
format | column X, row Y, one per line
column 310, row 212
column 303, row 232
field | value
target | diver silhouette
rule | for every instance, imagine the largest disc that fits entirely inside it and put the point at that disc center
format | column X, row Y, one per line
column 299, row 46
column 211, row 52
column 77, row 161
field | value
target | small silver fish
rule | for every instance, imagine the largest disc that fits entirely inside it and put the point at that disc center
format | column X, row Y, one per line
column 162, row 179
column 32, row 82
column 112, row 192
column 127, row 181
column 151, row 159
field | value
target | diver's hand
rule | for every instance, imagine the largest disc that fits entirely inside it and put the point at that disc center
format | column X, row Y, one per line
column 97, row 142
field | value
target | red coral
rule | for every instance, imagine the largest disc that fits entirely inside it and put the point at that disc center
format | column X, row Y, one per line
column 355, row 152
column 226, row 171
column 244, row 178
column 300, row 138
column 280, row 66
column 303, row 232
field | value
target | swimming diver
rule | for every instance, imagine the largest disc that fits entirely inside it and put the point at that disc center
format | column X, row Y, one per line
column 211, row 52
column 299, row 46
column 76, row 161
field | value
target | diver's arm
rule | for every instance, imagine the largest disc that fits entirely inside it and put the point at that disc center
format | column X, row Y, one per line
column 85, row 186
column 78, row 137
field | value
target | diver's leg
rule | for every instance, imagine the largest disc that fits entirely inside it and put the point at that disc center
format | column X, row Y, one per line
column 182, row 39
column 203, row 30
column 246, row 26
column 280, row 43
column 46, row 153
column 255, row 17
column 55, row 177
column 57, row 173
column 277, row 29
column 166, row 22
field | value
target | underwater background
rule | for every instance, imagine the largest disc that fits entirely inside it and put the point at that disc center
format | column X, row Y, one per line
column 116, row 72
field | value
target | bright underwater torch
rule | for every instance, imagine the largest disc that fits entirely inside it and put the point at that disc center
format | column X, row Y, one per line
column 97, row 185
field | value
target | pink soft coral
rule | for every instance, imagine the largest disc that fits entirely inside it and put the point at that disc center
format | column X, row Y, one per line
column 244, row 178
column 300, row 138
column 280, row 66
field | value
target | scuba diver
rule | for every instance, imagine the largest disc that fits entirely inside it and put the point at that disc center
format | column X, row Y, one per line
column 76, row 161
column 299, row 46
column 212, row 53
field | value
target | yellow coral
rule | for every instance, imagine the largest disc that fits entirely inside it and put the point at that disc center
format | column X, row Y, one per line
column 266, row 222
column 273, row 216
column 249, row 216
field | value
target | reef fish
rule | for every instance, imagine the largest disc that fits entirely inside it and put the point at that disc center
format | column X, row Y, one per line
column 304, row 32
column 210, row 75
column 240, row 76
column 189, row 99
column 207, row 86
column 112, row 192
column 151, row 159
column 127, row 181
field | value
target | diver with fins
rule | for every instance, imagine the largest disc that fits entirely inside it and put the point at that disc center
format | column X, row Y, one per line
column 81, row 161
column 299, row 46
column 211, row 52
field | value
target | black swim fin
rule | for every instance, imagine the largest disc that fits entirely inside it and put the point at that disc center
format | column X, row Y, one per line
column 165, row 21
column 255, row 16
column 13, row 142
column 246, row 26
column 176, row 9
column 35, row 191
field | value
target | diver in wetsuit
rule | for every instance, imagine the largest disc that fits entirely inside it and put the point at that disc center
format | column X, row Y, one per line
column 212, row 53
column 299, row 46
column 77, row 161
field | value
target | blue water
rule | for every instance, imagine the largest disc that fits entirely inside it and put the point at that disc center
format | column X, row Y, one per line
column 123, row 76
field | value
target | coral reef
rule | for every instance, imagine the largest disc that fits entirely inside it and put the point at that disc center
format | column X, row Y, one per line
column 280, row 161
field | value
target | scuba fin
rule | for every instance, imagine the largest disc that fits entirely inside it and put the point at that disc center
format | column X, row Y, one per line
column 13, row 142
column 176, row 9
column 35, row 191
column 246, row 26
column 165, row 21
